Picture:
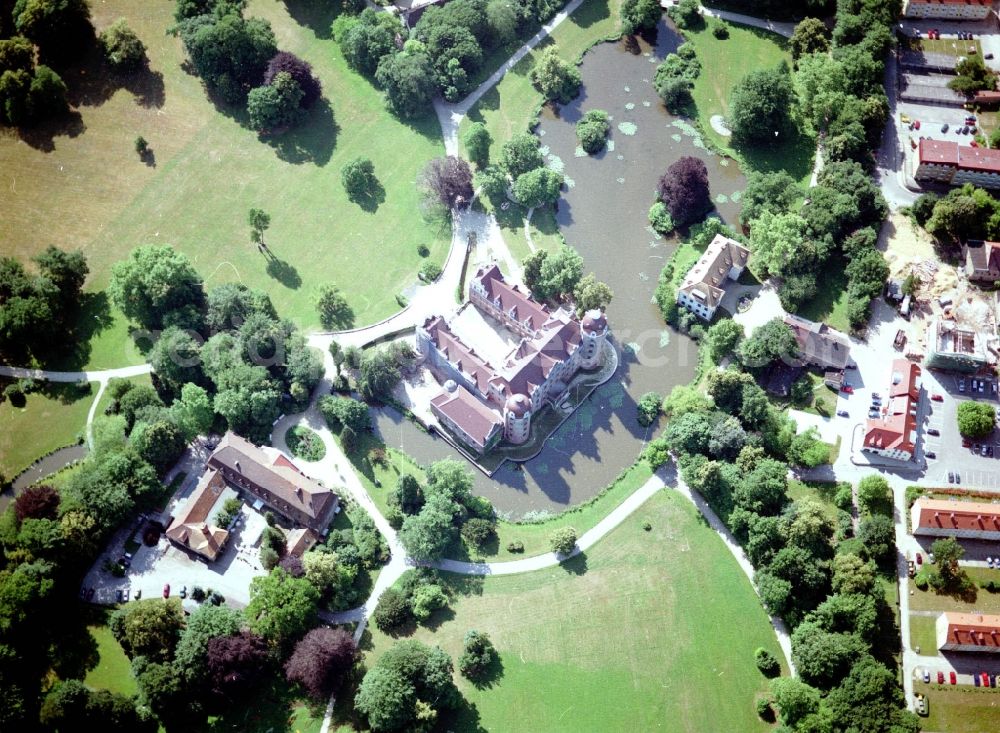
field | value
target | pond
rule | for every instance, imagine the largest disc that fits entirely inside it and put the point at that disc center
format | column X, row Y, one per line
column 603, row 215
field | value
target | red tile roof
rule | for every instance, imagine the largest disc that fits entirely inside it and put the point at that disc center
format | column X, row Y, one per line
column 970, row 630
column 191, row 527
column 896, row 427
column 455, row 350
column 964, row 157
column 936, row 514
column 463, row 409
column 511, row 297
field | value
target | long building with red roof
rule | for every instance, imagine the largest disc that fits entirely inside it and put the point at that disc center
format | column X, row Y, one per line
column 893, row 434
column 960, row 519
column 968, row 632
column 946, row 161
column 948, row 9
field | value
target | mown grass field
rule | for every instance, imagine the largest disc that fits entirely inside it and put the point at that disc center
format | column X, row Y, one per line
column 923, row 634
column 983, row 602
column 649, row 631
column 961, row 709
column 50, row 419
column 113, row 671
column 724, row 62
column 86, row 187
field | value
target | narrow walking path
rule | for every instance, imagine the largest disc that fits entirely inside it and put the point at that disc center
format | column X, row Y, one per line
column 782, row 29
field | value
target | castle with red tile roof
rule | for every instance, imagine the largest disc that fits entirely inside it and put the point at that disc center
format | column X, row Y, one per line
column 484, row 402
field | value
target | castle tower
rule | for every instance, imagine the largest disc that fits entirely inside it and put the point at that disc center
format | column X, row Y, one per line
column 593, row 333
column 517, row 419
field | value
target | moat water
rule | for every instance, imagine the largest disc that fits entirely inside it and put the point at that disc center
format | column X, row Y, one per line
column 603, row 215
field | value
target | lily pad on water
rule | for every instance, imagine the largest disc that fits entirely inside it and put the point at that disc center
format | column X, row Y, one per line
column 541, row 133
column 735, row 196
column 675, row 137
column 724, row 162
column 620, row 180
column 630, row 105
column 664, row 339
column 628, row 89
column 721, row 198
column 579, row 152
column 627, row 128
column 643, row 276
column 611, row 146
column 645, row 103
column 620, row 157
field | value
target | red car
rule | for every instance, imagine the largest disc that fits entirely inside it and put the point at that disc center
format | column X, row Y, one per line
column 952, row 677
column 940, row 677
column 920, row 560
column 984, row 678
column 937, row 398
column 166, row 590
column 916, row 124
column 846, row 388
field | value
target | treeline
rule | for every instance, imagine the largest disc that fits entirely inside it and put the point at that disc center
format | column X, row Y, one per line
column 442, row 54
column 239, row 61
column 226, row 348
column 731, row 447
column 38, row 312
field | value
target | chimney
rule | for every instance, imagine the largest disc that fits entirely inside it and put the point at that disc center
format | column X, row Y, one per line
column 298, row 491
column 238, row 467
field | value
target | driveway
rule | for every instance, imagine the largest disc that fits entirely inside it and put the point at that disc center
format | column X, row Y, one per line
column 766, row 306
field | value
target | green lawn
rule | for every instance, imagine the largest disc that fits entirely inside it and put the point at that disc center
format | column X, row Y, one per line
column 821, row 491
column 210, row 170
column 49, row 420
column 723, row 63
column 984, row 602
column 113, row 671
column 961, row 709
column 923, row 635
column 649, row 630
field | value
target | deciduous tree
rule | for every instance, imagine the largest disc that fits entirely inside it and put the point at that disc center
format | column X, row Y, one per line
column 684, row 189
column 321, row 661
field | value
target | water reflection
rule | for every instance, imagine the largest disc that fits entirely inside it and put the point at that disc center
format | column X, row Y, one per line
column 603, row 215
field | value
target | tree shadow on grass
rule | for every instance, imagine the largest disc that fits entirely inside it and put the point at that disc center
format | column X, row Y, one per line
column 284, row 272
column 590, row 13
column 71, row 351
column 438, row 618
column 576, row 565
column 490, row 675
column 464, row 718
column 318, row 17
column 372, row 198
column 42, row 136
column 311, row 141
column 78, row 651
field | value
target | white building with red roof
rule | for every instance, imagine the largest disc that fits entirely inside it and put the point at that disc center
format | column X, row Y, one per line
column 946, row 161
column 893, row 434
column 973, row 520
column 968, row 632
column 487, row 398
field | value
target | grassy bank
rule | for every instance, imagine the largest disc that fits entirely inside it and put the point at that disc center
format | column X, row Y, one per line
column 625, row 623
column 50, row 419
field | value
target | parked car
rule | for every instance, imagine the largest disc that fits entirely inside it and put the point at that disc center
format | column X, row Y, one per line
column 940, row 677
column 937, row 398
column 125, row 594
column 922, row 705
column 926, row 675
column 118, row 595
column 904, row 118
column 138, row 594
column 966, row 442
column 961, row 385
column 983, row 451
column 876, row 396
column 970, row 120
column 184, row 591
column 952, row 677
column 930, row 454
column 982, row 386
column 958, row 477
column 920, row 559
column 933, row 431
column 166, row 590
column 985, row 677
column 989, row 451
column 911, row 569
column 976, row 680
column 989, row 561
column 951, row 477
column 988, row 56
column 944, row 127
column 847, row 389
column 916, row 124
column 843, row 413
column 873, row 414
